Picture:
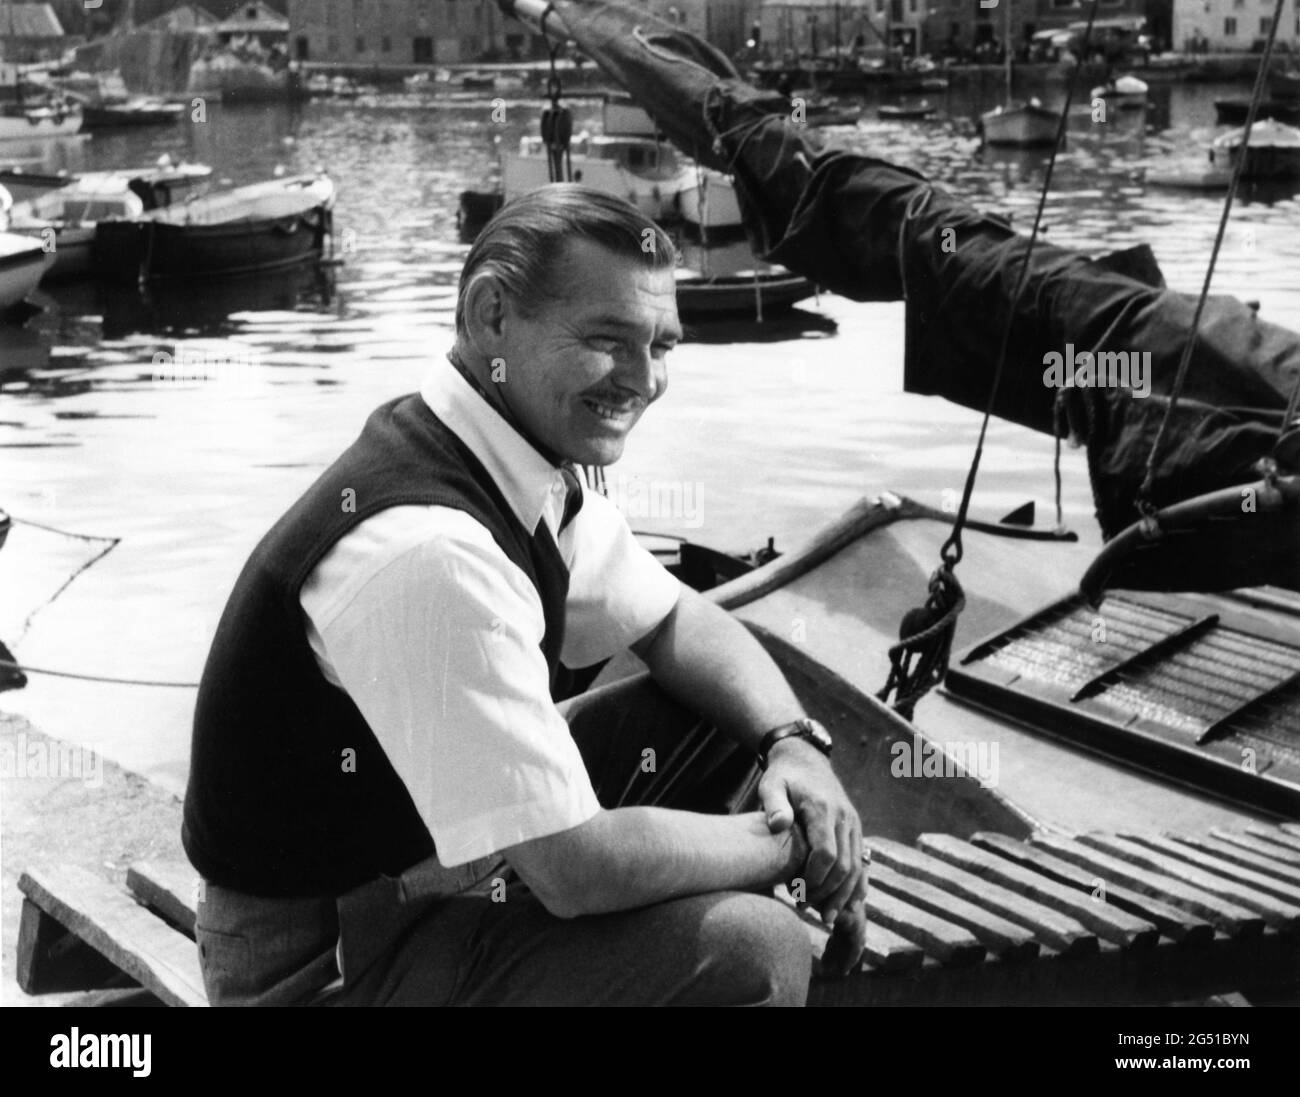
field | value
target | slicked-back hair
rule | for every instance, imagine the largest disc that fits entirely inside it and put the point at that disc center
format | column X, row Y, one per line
column 524, row 243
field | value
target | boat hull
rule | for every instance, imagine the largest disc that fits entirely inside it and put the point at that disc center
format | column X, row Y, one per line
column 145, row 250
column 1232, row 112
column 1021, row 127
column 22, row 263
column 1262, row 163
column 39, row 125
column 741, row 294
column 122, row 117
column 899, row 114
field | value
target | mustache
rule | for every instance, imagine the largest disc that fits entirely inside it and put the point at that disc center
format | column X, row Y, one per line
column 617, row 397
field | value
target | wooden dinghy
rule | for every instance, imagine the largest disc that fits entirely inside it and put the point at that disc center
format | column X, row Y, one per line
column 253, row 228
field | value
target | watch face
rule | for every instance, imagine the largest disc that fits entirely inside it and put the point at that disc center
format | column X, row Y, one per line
column 818, row 734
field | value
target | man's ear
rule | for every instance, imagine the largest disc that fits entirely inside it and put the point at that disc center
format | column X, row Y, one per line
column 485, row 310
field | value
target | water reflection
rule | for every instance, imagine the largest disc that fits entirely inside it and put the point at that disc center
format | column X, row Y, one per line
column 175, row 309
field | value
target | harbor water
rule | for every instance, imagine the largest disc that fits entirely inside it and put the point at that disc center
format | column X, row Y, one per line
column 767, row 430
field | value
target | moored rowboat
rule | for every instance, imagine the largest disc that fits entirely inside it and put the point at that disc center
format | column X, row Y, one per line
column 257, row 227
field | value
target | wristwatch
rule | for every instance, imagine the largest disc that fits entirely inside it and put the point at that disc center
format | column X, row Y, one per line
column 805, row 728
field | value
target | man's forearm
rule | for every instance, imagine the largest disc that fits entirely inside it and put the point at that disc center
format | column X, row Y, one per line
column 706, row 658
column 631, row 857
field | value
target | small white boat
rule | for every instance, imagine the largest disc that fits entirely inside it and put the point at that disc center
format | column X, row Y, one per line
column 650, row 174
column 1274, row 151
column 1024, row 125
column 1021, row 125
column 1125, row 93
column 18, row 123
column 65, row 219
column 22, row 263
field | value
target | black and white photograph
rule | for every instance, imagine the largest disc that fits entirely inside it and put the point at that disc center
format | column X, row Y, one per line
column 609, row 504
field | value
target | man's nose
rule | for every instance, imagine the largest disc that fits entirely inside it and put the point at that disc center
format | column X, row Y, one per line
column 643, row 373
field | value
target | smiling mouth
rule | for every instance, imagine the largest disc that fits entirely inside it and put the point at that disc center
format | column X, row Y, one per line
column 621, row 412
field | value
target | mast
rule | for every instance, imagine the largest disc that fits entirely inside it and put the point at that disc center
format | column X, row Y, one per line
column 1006, row 43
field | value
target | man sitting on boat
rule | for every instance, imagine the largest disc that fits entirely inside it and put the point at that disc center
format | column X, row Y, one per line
column 386, row 804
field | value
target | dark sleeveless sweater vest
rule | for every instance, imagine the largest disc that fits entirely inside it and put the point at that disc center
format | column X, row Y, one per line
column 290, row 793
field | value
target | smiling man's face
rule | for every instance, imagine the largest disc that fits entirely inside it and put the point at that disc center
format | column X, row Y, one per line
column 579, row 374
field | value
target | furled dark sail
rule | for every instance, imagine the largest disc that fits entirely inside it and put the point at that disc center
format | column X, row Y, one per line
column 874, row 231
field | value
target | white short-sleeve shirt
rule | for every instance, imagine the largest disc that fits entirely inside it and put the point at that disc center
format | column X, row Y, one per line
column 434, row 633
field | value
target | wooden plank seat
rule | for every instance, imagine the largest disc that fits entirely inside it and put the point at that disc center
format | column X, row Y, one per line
column 79, row 932
column 1098, row 919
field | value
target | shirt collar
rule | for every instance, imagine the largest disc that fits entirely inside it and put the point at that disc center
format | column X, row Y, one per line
column 532, row 486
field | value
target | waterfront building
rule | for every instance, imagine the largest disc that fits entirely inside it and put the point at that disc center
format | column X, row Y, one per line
column 1233, row 25
column 186, row 17
column 955, row 28
column 253, row 21
column 385, row 33
column 800, row 27
column 726, row 24
column 30, row 32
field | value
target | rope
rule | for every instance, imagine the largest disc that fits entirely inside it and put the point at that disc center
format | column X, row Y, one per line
column 9, row 664
column 112, row 543
column 1144, row 504
column 919, row 661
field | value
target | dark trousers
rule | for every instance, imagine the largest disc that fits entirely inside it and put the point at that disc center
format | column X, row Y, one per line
column 412, row 942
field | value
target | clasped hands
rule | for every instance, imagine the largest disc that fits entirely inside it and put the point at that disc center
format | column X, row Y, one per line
column 800, row 793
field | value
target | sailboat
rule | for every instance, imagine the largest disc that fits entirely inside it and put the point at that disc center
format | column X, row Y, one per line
column 1021, row 125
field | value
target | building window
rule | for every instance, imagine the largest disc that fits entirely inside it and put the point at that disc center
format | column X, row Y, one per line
column 422, row 51
column 360, row 44
column 912, row 5
column 1263, row 24
column 1230, row 27
column 332, row 45
column 385, row 44
column 880, row 7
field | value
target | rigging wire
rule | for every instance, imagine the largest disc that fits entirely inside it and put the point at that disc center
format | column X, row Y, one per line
column 919, row 661
column 1144, row 504
column 951, row 553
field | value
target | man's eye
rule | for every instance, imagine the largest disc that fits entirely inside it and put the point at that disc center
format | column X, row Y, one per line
column 661, row 349
column 604, row 343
